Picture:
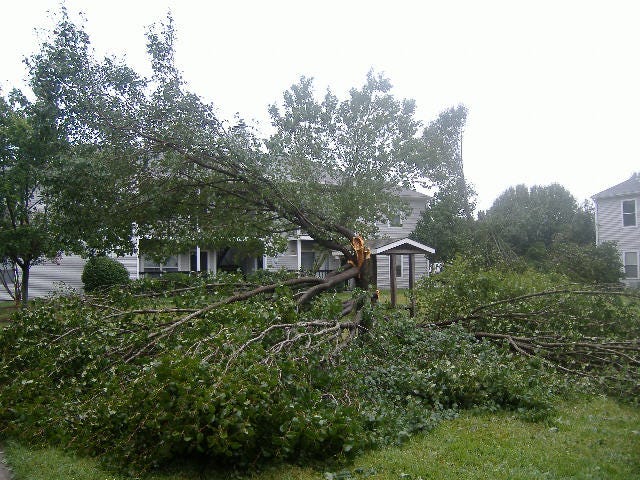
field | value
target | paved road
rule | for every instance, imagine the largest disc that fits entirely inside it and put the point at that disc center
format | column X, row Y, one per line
column 4, row 471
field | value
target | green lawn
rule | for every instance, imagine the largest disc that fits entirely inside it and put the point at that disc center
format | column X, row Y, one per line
column 595, row 439
column 6, row 309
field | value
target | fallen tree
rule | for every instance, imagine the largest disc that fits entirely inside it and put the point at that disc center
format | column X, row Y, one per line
column 588, row 331
column 239, row 370
column 163, row 167
column 119, row 376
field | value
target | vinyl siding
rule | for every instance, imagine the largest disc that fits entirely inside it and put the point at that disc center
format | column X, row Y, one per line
column 384, row 283
column 289, row 260
column 610, row 229
column 279, row 262
column 64, row 275
column 417, row 204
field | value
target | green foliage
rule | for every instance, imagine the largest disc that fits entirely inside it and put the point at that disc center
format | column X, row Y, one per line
column 492, row 446
column 356, row 151
column 543, row 227
column 558, row 323
column 445, row 225
column 584, row 263
column 524, row 216
column 103, row 272
column 29, row 144
column 412, row 378
column 447, row 222
column 209, row 391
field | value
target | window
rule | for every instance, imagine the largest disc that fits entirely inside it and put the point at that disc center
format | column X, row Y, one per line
column 395, row 221
column 629, row 213
column 204, row 261
column 170, row 265
column 631, row 265
column 399, row 262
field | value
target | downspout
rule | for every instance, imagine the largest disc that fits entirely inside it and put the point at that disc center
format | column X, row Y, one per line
column 596, row 221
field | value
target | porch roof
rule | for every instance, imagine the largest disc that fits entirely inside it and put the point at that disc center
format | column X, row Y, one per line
column 399, row 246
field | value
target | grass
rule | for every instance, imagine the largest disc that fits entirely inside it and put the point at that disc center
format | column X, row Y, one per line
column 385, row 297
column 590, row 439
column 6, row 309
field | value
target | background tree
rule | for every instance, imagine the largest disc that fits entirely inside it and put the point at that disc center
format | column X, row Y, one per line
column 348, row 158
column 530, row 218
column 180, row 175
column 29, row 146
column 545, row 226
column 447, row 222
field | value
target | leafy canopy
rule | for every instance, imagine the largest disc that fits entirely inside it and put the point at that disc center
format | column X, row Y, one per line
column 166, row 164
column 447, row 222
column 29, row 146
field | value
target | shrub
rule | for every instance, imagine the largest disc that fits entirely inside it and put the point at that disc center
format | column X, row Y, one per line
column 103, row 272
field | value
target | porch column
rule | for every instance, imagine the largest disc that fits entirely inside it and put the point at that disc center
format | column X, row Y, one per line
column 412, row 282
column 299, row 254
column 197, row 258
column 214, row 263
column 392, row 280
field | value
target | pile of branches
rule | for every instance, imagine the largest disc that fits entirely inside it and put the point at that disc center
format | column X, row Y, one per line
column 155, row 370
column 189, row 303
column 592, row 332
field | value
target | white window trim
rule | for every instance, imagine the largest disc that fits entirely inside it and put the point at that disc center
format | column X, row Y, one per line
column 624, row 264
column 635, row 212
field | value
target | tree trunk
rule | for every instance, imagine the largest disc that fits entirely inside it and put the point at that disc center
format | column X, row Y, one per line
column 364, row 279
column 24, row 294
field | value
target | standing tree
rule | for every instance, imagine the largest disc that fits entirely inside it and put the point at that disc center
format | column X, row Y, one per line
column 332, row 168
column 545, row 226
column 29, row 146
column 448, row 220
column 529, row 219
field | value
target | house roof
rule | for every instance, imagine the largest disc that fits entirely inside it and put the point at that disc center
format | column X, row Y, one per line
column 628, row 187
column 405, row 192
column 382, row 246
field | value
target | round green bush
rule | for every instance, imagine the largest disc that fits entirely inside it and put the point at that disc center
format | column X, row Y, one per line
column 101, row 272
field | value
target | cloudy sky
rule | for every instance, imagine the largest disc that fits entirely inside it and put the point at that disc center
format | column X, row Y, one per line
column 552, row 87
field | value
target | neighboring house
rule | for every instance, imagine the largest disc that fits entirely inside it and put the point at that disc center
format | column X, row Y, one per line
column 63, row 274
column 304, row 254
column 617, row 221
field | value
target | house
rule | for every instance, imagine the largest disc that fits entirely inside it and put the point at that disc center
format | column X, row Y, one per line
column 64, row 273
column 617, row 221
column 304, row 254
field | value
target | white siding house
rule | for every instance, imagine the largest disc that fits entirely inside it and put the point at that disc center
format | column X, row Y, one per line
column 303, row 253
column 63, row 275
column 617, row 220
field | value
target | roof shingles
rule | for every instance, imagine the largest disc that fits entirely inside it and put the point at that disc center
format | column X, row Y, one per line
column 628, row 187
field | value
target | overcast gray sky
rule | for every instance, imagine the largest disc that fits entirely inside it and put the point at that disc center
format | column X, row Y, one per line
column 552, row 87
